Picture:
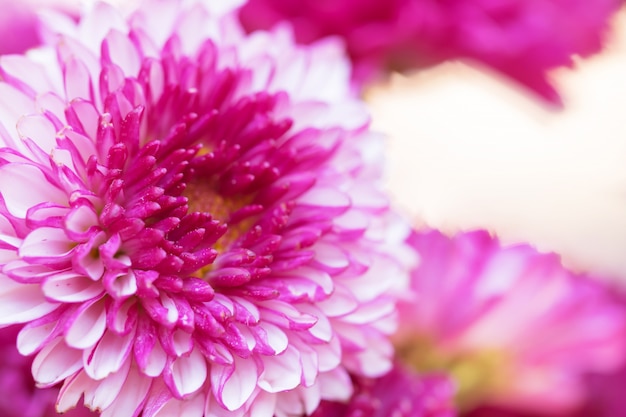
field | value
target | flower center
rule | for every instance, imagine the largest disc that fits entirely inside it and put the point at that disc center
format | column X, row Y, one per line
column 202, row 197
column 479, row 375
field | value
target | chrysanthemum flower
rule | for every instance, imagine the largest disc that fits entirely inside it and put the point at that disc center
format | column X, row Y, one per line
column 191, row 218
column 20, row 397
column 511, row 325
column 523, row 39
column 399, row 393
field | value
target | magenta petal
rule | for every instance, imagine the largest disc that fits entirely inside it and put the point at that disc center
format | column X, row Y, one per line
column 230, row 277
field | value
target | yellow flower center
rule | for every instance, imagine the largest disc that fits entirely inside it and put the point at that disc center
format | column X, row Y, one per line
column 478, row 374
column 202, row 197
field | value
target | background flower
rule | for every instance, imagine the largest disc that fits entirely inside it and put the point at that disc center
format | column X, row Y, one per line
column 521, row 39
column 203, row 229
column 399, row 393
column 20, row 397
column 509, row 324
column 19, row 25
column 18, row 29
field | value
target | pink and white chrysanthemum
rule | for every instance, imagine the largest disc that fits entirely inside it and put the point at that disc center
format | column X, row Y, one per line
column 399, row 393
column 191, row 222
column 511, row 325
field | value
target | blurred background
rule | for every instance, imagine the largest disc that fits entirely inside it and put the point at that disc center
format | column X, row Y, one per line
column 469, row 150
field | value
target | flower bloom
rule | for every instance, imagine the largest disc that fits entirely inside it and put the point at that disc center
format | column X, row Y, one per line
column 191, row 222
column 20, row 397
column 509, row 324
column 399, row 393
column 522, row 39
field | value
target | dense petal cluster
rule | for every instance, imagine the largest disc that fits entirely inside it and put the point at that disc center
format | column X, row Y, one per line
column 191, row 221
column 20, row 397
column 399, row 393
column 523, row 39
column 509, row 323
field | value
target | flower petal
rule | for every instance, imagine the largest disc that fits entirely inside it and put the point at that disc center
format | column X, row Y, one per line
column 46, row 243
column 107, row 390
column 281, row 373
column 188, row 373
column 55, row 362
column 68, row 287
column 87, row 325
column 20, row 303
column 108, row 355
column 132, row 396
column 15, row 178
column 233, row 385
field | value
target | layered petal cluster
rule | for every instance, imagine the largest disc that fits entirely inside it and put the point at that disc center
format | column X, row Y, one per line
column 191, row 218
column 20, row 397
column 510, row 324
column 399, row 393
column 523, row 39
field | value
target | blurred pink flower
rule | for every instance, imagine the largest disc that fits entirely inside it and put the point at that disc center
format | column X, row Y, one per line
column 400, row 393
column 20, row 397
column 191, row 217
column 522, row 39
column 20, row 26
column 606, row 394
column 509, row 324
column 604, row 398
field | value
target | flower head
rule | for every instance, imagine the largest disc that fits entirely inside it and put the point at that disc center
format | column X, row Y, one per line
column 522, row 39
column 399, row 393
column 191, row 218
column 510, row 324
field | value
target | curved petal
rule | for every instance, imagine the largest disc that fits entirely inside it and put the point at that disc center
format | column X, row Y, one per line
column 233, row 385
column 15, row 178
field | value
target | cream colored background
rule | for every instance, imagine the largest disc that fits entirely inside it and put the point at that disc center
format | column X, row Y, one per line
column 467, row 150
